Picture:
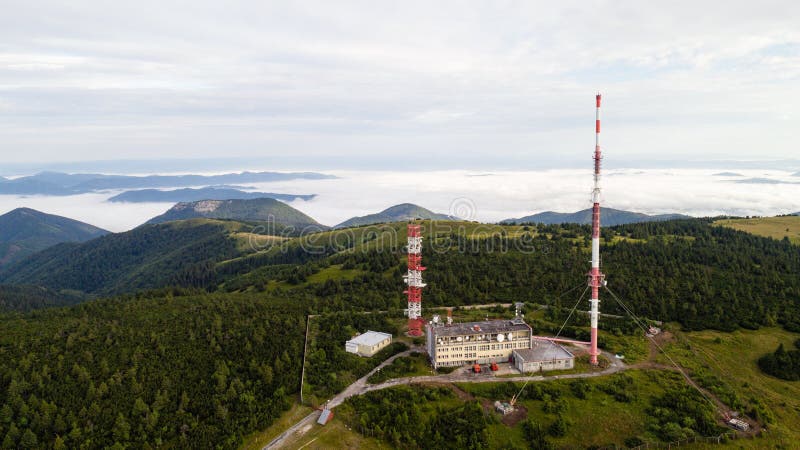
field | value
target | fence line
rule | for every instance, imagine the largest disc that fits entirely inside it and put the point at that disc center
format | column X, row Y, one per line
column 695, row 439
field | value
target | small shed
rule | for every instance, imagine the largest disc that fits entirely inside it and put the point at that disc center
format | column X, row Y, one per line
column 543, row 356
column 369, row 343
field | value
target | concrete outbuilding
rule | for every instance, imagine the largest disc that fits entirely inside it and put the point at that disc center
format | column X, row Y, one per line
column 369, row 343
column 543, row 356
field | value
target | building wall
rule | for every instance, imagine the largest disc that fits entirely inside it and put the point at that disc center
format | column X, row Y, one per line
column 544, row 366
column 367, row 350
column 452, row 352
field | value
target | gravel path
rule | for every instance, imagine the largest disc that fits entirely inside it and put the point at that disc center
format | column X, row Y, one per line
column 360, row 387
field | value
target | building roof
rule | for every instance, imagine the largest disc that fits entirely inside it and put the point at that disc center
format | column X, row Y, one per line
column 543, row 351
column 370, row 338
column 485, row 327
column 325, row 417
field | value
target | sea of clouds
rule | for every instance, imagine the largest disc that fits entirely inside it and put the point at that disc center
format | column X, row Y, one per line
column 484, row 196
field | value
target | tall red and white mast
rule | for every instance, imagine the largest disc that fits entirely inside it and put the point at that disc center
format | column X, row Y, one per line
column 595, row 276
column 413, row 279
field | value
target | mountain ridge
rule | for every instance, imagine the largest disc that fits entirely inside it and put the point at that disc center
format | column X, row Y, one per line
column 397, row 213
column 609, row 217
column 248, row 210
column 207, row 193
column 149, row 256
column 25, row 231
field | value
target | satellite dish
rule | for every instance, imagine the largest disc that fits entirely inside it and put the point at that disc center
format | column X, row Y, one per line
column 458, row 339
column 501, row 337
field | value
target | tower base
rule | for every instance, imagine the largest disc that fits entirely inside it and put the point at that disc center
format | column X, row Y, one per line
column 415, row 327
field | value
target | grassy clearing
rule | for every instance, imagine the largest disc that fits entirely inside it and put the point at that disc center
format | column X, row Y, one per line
column 252, row 242
column 596, row 420
column 335, row 434
column 258, row 440
column 633, row 347
column 731, row 358
column 334, row 272
column 404, row 366
column 773, row 227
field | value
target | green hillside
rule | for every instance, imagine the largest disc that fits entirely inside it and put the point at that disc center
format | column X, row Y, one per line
column 397, row 213
column 25, row 231
column 259, row 209
column 179, row 253
column 704, row 277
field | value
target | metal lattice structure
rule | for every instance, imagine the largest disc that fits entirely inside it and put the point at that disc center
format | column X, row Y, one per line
column 413, row 279
column 596, row 278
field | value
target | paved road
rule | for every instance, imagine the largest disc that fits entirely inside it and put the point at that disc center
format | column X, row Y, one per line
column 360, row 387
column 357, row 388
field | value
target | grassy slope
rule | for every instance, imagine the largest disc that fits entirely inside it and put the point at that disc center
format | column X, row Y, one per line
column 604, row 420
column 732, row 357
column 258, row 440
column 773, row 227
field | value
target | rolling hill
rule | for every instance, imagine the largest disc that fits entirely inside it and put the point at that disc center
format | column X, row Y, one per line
column 609, row 217
column 25, row 231
column 149, row 256
column 193, row 195
column 396, row 213
column 260, row 210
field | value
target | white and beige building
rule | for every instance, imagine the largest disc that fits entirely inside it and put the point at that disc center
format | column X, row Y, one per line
column 476, row 342
column 369, row 343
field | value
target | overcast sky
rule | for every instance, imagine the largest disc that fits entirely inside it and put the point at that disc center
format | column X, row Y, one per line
column 370, row 82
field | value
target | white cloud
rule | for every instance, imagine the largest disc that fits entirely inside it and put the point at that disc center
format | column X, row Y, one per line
column 88, row 80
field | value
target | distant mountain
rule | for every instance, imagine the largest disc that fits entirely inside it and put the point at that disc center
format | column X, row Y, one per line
column 397, row 213
column 728, row 174
column 609, row 217
column 763, row 181
column 25, row 231
column 260, row 209
column 150, row 256
column 207, row 193
column 57, row 183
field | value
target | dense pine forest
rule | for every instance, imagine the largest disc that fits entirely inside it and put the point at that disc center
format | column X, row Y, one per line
column 148, row 371
column 215, row 353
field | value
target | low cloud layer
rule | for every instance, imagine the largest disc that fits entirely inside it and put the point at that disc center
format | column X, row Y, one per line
column 484, row 196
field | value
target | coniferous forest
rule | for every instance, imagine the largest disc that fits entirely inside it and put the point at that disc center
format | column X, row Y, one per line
column 148, row 371
column 215, row 352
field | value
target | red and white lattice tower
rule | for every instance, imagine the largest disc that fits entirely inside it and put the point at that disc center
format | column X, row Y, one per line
column 596, row 278
column 414, row 280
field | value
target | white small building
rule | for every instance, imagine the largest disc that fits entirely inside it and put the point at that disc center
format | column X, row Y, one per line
column 369, row 343
column 543, row 356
